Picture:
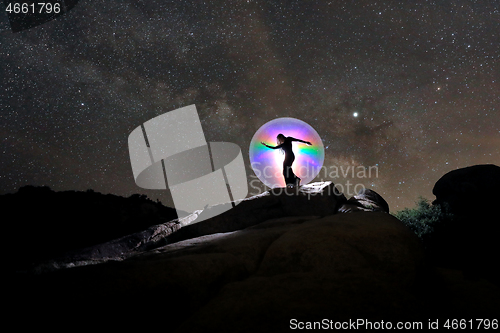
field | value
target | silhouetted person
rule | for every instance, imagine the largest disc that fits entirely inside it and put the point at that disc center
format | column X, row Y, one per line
column 285, row 144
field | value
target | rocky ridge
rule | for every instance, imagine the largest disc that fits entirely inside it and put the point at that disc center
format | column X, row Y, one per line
column 307, row 256
column 316, row 199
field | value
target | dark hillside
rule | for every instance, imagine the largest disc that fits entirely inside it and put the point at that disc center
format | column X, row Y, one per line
column 41, row 224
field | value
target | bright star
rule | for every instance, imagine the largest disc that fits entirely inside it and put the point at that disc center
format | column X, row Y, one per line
column 355, row 114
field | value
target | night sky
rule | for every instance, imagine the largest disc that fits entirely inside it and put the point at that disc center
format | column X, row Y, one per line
column 412, row 87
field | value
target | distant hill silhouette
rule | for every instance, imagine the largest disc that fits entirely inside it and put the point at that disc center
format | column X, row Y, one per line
column 41, row 224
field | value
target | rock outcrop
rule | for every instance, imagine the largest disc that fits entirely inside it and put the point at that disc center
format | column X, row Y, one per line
column 306, row 268
column 274, row 258
column 469, row 242
column 256, row 279
column 316, row 199
column 366, row 200
column 321, row 199
column 465, row 190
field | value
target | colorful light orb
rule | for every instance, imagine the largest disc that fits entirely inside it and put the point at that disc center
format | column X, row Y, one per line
column 267, row 163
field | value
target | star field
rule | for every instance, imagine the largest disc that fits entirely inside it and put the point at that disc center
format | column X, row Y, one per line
column 410, row 87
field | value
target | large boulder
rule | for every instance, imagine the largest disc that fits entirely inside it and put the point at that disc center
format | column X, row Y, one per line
column 320, row 198
column 315, row 199
column 280, row 256
column 470, row 241
column 468, row 190
column 343, row 266
column 366, row 200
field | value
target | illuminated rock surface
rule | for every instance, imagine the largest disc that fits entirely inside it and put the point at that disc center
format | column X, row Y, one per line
column 284, row 257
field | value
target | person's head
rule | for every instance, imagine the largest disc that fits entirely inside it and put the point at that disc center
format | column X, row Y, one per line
column 280, row 138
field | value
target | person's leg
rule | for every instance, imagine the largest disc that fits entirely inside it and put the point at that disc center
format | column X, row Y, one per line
column 287, row 174
column 290, row 178
column 294, row 180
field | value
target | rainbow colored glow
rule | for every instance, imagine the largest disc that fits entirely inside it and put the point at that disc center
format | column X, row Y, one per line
column 268, row 163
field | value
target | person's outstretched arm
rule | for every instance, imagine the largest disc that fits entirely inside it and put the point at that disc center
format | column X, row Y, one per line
column 306, row 142
column 277, row 147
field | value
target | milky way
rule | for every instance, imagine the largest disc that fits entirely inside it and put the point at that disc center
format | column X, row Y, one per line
column 410, row 87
